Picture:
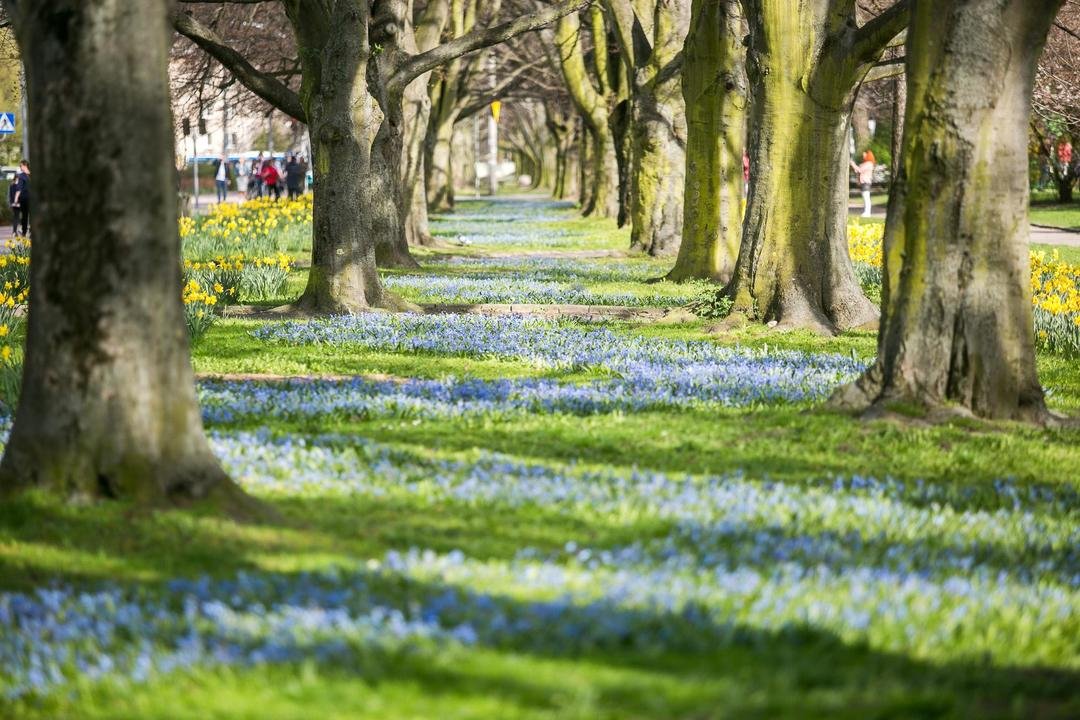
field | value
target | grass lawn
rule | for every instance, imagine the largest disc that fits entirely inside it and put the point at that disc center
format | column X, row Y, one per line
column 1054, row 214
column 509, row 518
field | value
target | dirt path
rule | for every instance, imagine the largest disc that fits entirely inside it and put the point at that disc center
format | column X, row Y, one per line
column 587, row 313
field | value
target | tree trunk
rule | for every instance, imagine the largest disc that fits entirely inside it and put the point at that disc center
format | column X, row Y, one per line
column 658, row 131
column 417, row 114
column 585, row 152
column 387, row 201
column 714, row 88
column 108, row 405
column 860, row 123
column 1065, row 188
column 603, row 176
column 805, row 65
column 658, row 162
column 351, row 208
column 417, row 230
column 899, row 107
column 957, row 318
column 440, row 170
column 619, row 122
column 601, row 173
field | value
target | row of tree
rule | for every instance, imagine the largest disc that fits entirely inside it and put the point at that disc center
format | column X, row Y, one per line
column 108, row 407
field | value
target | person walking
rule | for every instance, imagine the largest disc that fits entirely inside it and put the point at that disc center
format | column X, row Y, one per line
column 12, row 189
column 256, row 176
column 865, row 173
column 271, row 178
column 295, row 173
column 21, row 199
column 222, row 175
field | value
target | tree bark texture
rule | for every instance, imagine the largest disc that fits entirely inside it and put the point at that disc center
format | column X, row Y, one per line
column 899, row 108
column 805, row 64
column 602, row 172
column 440, row 170
column 108, row 406
column 352, row 205
column 714, row 89
column 657, row 121
column 957, row 324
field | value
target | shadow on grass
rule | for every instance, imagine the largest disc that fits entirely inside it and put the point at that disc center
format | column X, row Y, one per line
column 599, row 660
column 788, row 444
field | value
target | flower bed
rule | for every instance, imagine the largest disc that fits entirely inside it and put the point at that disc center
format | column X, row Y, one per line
column 942, row 572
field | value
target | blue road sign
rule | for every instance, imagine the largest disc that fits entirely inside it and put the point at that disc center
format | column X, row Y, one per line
column 7, row 123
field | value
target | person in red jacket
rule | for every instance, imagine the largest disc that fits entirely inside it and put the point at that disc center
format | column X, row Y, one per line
column 271, row 178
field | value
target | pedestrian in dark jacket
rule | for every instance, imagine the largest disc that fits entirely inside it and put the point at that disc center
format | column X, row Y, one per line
column 12, row 188
column 21, row 200
column 295, row 173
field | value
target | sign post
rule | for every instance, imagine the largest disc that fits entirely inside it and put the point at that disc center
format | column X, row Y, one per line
column 493, row 147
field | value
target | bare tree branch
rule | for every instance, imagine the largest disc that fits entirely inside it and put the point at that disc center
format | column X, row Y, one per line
column 265, row 85
column 876, row 34
column 479, row 38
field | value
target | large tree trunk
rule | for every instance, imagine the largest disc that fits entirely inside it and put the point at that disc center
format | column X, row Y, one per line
column 714, row 88
column 603, row 175
column 108, row 405
column 417, row 114
column 440, row 168
column 805, row 66
column 386, row 199
column 658, row 131
column 601, row 172
column 658, row 162
column 957, row 319
column 350, row 199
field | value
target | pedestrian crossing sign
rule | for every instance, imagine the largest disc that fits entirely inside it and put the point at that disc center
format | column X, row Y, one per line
column 7, row 123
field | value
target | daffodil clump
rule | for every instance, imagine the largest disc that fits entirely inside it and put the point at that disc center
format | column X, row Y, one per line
column 248, row 278
column 200, row 305
column 258, row 227
column 13, row 298
column 15, row 262
column 14, row 294
column 1055, row 287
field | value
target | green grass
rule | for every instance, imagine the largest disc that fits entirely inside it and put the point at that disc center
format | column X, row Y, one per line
column 1057, row 215
column 807, row 672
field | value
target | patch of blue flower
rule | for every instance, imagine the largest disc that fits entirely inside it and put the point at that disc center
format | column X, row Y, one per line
column 924, row 569
column 516, row 289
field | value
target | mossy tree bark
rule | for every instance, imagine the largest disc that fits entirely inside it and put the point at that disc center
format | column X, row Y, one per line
column 561, row 128
column 108, row 407
column 805, row 64
column 714, row 89
column 602, row 172
column 651, row 35
column 445, row 92
column 440, row 143
column 957, row 318
column 421, row 36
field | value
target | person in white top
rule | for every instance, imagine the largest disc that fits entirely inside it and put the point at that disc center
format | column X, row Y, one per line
column 865, row 171
column 221, row 178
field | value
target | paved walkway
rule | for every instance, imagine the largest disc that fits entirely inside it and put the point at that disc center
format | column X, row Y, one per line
column 1039, row 234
